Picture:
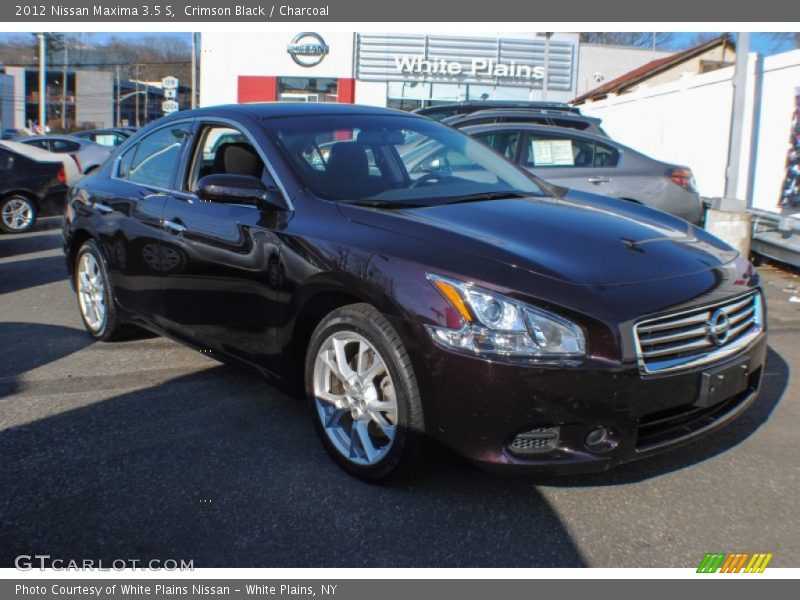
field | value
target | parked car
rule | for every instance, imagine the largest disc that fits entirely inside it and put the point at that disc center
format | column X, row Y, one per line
column 595, row 164
column 465, row 107
column 540, row 117
column 32, row 183
column 415, row 282
column 111, row 138
column 12, row 134
column 88, row 154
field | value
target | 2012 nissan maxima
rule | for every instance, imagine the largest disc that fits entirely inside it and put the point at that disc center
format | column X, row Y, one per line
column 417, row 284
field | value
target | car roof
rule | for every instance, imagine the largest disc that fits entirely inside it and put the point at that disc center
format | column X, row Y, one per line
column 269, row 110
column 521, row 112
column 490, row 104
column 105, row 130
column 56, row 136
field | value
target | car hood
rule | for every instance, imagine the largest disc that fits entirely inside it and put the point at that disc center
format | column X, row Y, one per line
column 579, row 238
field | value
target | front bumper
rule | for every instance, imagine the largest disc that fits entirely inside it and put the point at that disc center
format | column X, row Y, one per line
column 477, row 407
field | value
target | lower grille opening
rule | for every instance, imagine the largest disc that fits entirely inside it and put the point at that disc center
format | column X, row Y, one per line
column 534, row 441
column 681, row 421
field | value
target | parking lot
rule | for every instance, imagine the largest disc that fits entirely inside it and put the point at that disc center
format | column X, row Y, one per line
column 146, row 449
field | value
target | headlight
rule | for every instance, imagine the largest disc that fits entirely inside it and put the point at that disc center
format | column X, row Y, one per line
column 498, row 325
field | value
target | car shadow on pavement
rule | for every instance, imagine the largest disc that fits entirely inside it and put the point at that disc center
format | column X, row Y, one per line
column 28, row 346
column 774, row 383
column 31, row 272
column 220, row 468
column 28, row 243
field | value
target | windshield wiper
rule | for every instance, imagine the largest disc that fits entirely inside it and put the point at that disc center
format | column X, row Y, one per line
column 382, row 203
column 483, row 196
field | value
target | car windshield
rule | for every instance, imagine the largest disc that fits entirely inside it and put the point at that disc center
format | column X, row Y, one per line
column 389, row 160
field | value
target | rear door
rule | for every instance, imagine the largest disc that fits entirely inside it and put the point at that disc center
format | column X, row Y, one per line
column 571, row 161
column 127, row 211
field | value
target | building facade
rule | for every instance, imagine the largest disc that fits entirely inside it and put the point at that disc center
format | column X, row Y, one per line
column 401, row 70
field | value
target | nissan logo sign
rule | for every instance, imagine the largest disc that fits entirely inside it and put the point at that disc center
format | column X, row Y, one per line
column 307, row 49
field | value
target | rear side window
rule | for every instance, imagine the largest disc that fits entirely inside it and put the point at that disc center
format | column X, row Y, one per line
column 155, row 158
column 38, row 144
column 65, row 146
column 561, row 151
column 504, row 142
column 570, row 124
column 107, row 139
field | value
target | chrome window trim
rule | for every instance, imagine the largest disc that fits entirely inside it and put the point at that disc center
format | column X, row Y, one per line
column 204, row 121
column 720, row 353
column 115, row 166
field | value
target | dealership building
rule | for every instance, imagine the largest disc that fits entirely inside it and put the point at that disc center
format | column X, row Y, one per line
column 406, row 71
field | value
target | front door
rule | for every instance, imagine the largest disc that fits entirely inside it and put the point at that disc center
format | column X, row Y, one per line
column 224, row 291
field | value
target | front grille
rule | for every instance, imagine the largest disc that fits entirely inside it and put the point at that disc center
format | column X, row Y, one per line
column 698, row 336
column 672, row 424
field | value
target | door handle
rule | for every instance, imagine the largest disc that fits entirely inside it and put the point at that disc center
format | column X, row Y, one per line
column 172, row 226
column 102, row 208
column 599, row 179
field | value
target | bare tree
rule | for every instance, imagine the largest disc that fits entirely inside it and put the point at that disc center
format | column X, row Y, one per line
column 781, row 39
column 638, row 39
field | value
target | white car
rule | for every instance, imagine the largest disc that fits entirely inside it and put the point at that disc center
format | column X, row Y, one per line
column 89, row 155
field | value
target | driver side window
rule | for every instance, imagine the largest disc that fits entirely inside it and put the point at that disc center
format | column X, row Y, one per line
column 222, row 149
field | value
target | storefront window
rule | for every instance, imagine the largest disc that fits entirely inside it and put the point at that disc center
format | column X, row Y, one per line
column 410, row 95
column 307, row 89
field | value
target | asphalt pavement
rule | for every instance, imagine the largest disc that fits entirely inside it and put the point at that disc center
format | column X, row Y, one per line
column 146, row 449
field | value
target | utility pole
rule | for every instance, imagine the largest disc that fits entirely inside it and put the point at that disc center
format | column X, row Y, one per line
column 194, row 70
column 42, row 85
column 64, row 76
column 546, row 79
column 146, row 111
column 737, row 116
column 136, row 82
column 119, row 102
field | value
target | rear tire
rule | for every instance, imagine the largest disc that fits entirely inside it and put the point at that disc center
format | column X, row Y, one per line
column 363, row 394
column 96, row 297
column 17, row 214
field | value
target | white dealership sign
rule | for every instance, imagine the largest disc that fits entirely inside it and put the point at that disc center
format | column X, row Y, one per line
column 485, row 67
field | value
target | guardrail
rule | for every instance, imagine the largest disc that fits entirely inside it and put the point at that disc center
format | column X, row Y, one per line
column 776, row 236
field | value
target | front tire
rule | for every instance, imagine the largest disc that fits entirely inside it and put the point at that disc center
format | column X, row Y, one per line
column 17, row 214
column 95, row 296
column 363, row 393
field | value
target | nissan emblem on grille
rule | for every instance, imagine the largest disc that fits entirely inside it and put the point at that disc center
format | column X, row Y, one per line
column 719, row 327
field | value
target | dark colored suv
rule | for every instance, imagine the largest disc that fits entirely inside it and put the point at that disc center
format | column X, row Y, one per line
column 416, row 283
column 539, row 117
column 443, row 111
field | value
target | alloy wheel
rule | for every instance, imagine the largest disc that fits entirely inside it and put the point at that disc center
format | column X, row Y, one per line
column 355, row 398
column 91, row 292
column 17, row 214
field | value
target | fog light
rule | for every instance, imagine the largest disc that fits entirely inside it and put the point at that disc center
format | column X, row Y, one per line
column 535, row 441
column 601, row 439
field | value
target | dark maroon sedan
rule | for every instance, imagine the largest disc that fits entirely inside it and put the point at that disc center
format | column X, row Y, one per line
column 415, row 284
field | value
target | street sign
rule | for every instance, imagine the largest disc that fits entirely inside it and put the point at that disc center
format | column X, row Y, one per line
column 169, row 83
column 170, row 94
column 169, row 106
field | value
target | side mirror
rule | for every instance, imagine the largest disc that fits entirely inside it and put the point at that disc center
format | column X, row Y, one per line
column 236, row 189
